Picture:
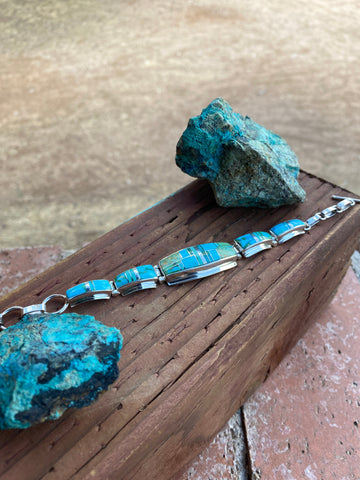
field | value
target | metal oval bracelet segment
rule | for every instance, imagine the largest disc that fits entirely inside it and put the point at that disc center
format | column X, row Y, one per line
column 188, row 264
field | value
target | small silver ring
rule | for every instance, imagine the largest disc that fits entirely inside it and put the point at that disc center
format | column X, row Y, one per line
column 56, row 296
column 9, row 310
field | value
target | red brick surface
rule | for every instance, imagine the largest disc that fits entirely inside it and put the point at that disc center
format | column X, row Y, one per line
column 18, row 265
column 304, row 422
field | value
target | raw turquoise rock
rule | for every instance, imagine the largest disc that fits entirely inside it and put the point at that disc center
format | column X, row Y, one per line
column 246, row 164
column 51, row 362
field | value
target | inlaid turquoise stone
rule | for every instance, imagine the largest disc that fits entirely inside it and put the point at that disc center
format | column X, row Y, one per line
column 88, row 287
column 138, row 274
column 194, row 257
column 250, row 239
column 285, row 227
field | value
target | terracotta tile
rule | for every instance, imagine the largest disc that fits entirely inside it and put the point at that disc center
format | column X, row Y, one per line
column 304, row 422
column 18, row 265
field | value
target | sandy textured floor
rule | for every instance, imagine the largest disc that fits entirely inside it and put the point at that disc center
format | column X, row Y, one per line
column 94, row 96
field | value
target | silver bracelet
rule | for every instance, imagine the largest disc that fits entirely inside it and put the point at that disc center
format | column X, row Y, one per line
column 191, row 263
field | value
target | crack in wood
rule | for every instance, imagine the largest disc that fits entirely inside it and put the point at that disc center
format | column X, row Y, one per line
column 279, row 259
column 247, row 461
column 309, row 295
column 218, row 315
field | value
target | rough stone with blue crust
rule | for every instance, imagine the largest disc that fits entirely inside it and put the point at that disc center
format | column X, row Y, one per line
column 52, row 362
column 246, row 164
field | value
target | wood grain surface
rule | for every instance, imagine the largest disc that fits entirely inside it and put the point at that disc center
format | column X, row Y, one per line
column 192, row 353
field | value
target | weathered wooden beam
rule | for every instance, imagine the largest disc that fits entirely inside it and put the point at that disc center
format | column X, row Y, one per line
column 193, row 353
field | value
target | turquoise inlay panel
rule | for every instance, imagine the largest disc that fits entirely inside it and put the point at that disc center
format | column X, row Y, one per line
column 142, row 273
column 91, row 286
column 198, row 256
column 250, row 239
column 75, row 291
column 284, row 227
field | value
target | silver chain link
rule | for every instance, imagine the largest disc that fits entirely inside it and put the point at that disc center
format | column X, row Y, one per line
column 329, row 212
column 36, row 308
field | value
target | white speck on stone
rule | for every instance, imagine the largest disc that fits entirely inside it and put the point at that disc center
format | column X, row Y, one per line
column 282, row 473
column 355, row 263
column 310, row 474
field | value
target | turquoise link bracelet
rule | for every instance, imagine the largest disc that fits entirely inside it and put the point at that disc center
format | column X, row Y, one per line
column 188, row 264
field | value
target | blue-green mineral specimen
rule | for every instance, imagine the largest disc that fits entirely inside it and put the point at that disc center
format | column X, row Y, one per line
column 51, row 362
column 246, row 164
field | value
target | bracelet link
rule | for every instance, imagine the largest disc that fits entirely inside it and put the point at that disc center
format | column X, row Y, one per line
column 8, row 311
column 344, row 205
column 312, row 221
column 252, row 243
column 35, row 309
column 328, row 212
column 89, row 291
column 287, row 230
column 136, row 279
column 197, row 262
